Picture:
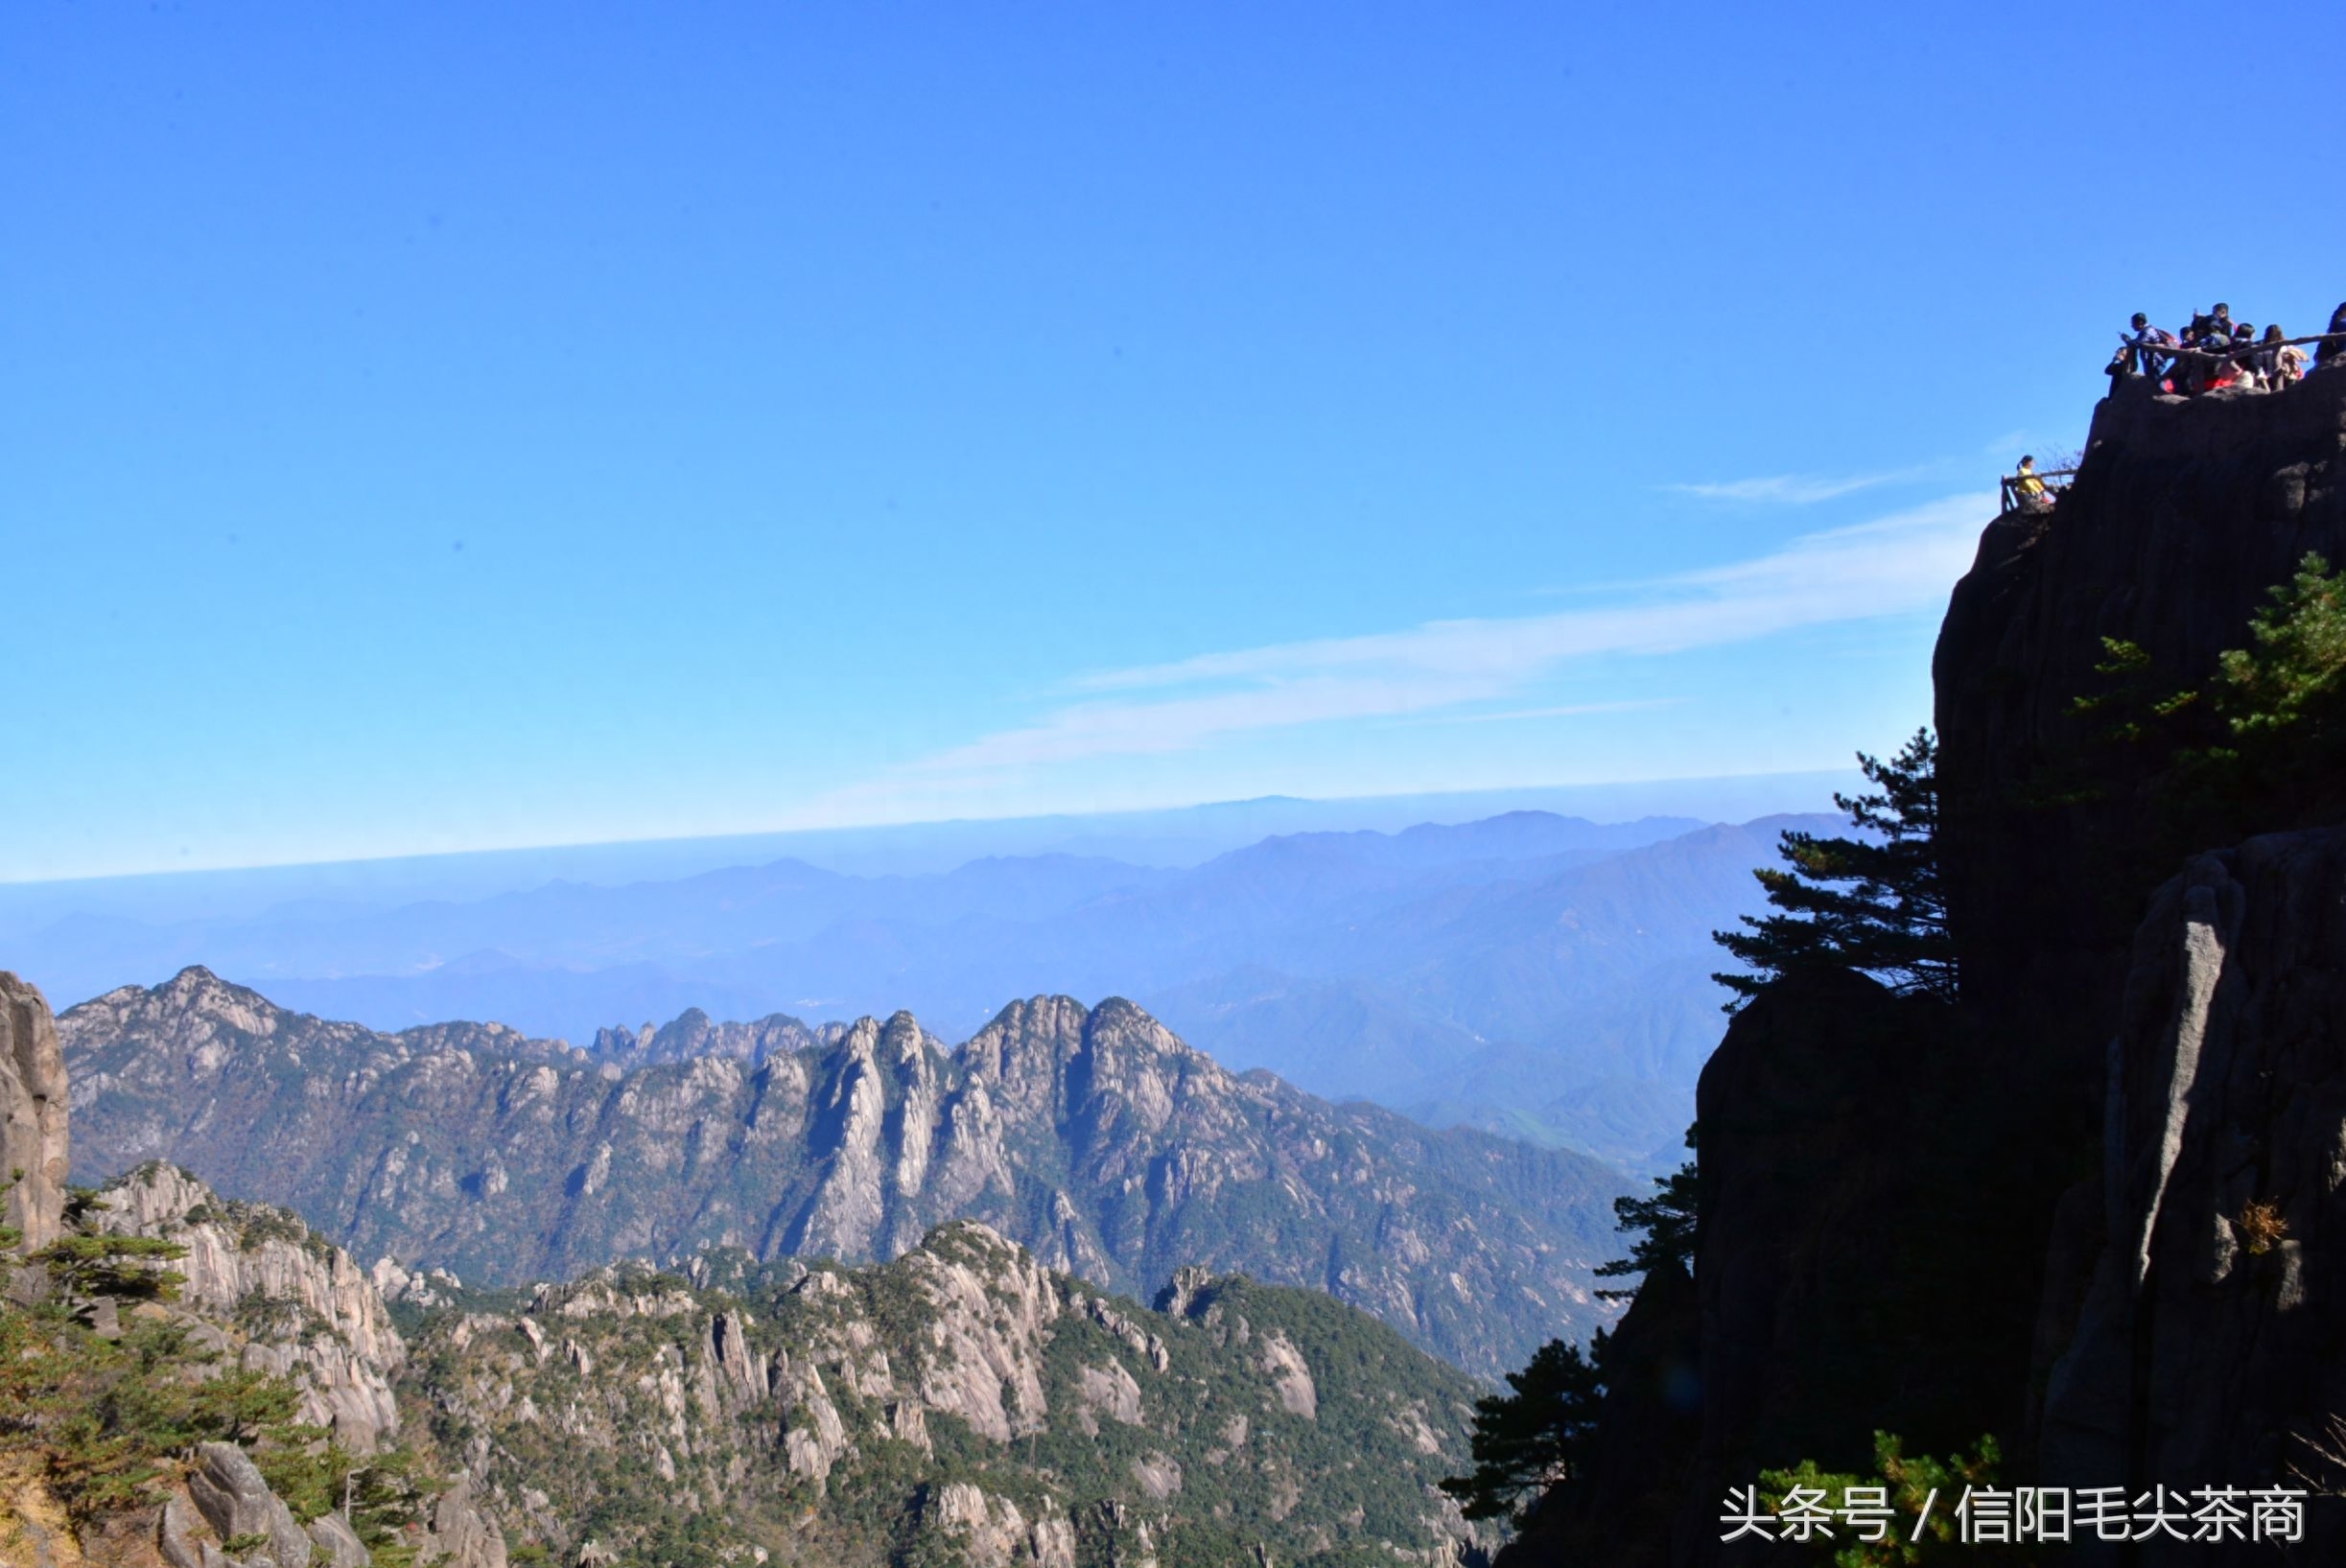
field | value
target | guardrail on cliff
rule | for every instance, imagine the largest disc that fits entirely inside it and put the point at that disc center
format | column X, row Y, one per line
column 2053, row 480
column 2237, row 354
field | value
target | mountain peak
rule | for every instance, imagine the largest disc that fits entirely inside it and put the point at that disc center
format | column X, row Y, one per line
column 1092, row 1138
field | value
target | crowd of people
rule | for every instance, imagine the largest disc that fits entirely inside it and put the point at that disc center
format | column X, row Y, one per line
column 2215, row 351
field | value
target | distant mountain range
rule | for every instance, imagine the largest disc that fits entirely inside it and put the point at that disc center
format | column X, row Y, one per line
column 1541, row 975
column 1092, row 1137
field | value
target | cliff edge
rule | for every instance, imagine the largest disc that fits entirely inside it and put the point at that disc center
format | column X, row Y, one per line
column 2087, row 1209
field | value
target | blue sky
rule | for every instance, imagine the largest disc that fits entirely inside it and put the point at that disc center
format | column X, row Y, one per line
column 431, row 427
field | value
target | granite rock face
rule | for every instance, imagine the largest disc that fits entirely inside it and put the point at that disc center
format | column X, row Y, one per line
column 33, row 1112
column 228, row 1491
column 963, row 1400
column 1092, row 1135
column 2211, row 1348
column 311, row 1314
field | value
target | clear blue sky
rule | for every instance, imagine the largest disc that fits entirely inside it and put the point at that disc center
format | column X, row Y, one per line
column 438, row 426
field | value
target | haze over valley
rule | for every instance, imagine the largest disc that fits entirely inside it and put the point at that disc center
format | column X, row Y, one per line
column 1529, row 973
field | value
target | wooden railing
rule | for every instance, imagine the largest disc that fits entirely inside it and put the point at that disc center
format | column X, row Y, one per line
column 2237, row 353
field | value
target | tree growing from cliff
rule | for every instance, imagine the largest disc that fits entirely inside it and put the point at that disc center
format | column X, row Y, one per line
column 2279, row 707
column 1527, row 1441
column 1875, row 903
column 2260, row 747
column 1664, row 1225
column 128, row 1268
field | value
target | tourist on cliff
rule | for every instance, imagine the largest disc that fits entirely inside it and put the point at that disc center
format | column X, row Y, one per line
column 2279, row 362
column 2150, row 347
column 2028, row 490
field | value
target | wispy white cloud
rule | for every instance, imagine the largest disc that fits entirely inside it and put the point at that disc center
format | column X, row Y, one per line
column 1793, row 489
column 1573, row 710
column 1898, row 564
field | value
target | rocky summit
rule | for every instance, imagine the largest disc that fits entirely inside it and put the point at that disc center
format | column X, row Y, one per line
column 1092, row 1136
column 960, row 1404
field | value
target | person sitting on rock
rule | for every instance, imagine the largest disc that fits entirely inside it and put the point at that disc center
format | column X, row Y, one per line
column 2028, row 490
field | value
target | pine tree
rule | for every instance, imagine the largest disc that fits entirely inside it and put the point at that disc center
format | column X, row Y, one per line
column 1876, row 904
column 1664, row 1225
column 1526, row 1441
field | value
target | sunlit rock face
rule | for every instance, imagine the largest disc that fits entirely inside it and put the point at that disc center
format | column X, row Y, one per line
column 964, row 1399
column 33, row 1155
column 1091, row 1135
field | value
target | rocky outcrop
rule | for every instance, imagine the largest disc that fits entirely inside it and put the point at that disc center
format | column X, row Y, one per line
column 34, row 1155
column 1008, row 1410
column 1867, row 1247
column 2208, row 1349
column 1894, row 1233
column 228, row 1491
column 251, row 1285
column 1092, row 1135
column 305, row 1311
column 992, row 1533
column 2184, row 513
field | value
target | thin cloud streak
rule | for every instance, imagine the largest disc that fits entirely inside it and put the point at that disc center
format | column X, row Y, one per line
column 1791, row 489
column 1568, row 711
column 1895, row 566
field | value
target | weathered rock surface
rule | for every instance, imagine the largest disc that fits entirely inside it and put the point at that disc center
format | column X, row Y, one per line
column 33, row 1111
column 308, row 1313
column 228, row 1491
column 2211, row 1348
column 993, row 1534
column 1095, row 1136
column 962, row 1391
column 254, row 1284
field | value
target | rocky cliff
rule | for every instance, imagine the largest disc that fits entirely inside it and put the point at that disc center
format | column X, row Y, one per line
column 962, row 1404
column 34, row 1155
column 303, row 1310
column 2183, row 514
column 196, row 1384
column 2211, row 1343
column 2084, row 1211
column 1091, row 1135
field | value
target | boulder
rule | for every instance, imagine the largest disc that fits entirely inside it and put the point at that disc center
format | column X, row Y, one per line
column 228, row 1489
column 338, row 1545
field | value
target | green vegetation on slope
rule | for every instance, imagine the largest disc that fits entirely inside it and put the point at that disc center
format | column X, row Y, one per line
column 1252, row 1415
